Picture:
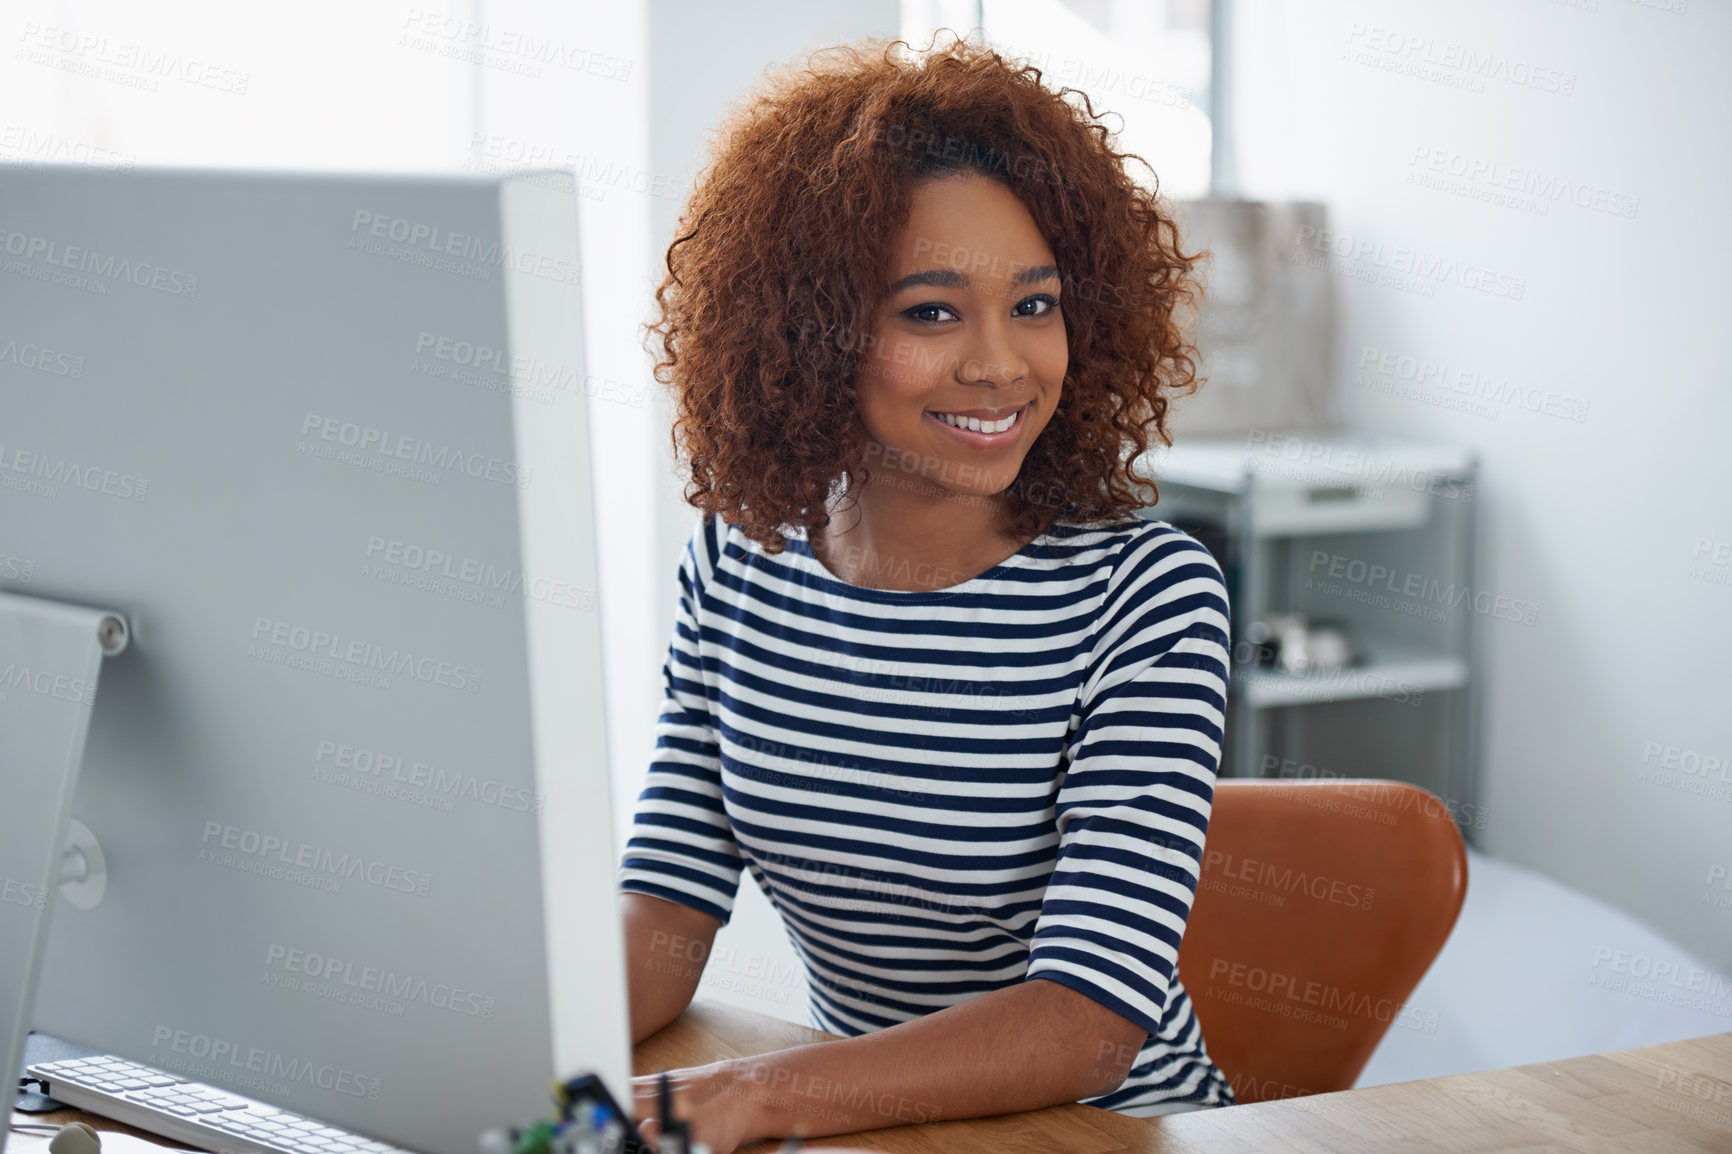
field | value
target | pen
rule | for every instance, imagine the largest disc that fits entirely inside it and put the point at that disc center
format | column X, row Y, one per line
column 673, row 1138
column 665, row 1101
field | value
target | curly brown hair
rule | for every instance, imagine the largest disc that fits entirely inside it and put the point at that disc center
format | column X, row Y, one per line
column 781, row 257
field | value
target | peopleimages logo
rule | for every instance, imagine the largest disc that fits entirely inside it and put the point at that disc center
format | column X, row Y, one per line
column 1426, row 268
column 325, row 976
column 1681, row 982
column 413, row 565
column 339, row 434
column 222, row 843
column 46, row 683
column 104, row 266
column 363, row 655
column 44, row 471
column 1289, row 880
column 434, row 241
column 1370, row 576
column 17, row 893
column 349, row 765
column 227, row 1057
column 1290, row 988
column 40, row 358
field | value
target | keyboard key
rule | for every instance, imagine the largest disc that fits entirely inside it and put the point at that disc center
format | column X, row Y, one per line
column 230, row 1124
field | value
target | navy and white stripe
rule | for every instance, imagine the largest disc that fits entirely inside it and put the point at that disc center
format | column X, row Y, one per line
column 945, row 793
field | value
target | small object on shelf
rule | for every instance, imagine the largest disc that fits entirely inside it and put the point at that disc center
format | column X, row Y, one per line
column 1291, row 643
column 1268, row 637
column 1329, row 646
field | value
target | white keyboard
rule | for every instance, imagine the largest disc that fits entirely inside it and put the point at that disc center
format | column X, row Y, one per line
column 192, row 1112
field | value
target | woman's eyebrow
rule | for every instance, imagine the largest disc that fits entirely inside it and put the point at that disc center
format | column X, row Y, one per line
column 951, row 278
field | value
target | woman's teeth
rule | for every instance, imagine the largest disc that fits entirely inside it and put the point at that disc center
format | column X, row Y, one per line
column 975, row 424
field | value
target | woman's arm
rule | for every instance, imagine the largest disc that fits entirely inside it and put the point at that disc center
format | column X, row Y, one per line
column 666, row 945
column 681, row 868
column 1034, row 1044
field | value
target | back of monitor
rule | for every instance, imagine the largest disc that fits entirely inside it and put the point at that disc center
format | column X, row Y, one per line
column 323, row 441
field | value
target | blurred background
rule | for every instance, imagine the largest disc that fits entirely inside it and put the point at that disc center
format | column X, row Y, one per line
column 1463, row 443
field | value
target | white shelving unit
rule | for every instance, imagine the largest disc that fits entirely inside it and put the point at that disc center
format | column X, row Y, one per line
column 1387, row 673
column 1375, row 535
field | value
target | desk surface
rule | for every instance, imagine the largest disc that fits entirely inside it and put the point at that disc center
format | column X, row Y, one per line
column 1673, row 1097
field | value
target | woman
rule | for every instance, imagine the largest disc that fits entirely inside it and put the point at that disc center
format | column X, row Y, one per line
column 955, row 708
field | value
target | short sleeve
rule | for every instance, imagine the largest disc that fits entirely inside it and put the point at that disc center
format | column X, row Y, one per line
column 681, row 847
column 1133, row 807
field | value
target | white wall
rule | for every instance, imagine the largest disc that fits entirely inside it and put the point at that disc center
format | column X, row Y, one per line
column 594, row 119
column 1611, row 524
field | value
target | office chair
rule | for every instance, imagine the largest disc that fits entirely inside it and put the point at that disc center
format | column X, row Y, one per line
column 1320, row 906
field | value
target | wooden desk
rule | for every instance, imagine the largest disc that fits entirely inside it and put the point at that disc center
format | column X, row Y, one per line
column 1673, row 1097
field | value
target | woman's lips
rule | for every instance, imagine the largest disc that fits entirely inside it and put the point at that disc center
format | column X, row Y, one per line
column 983, row 440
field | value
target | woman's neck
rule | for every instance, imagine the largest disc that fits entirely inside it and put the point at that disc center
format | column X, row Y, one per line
column 909, row 535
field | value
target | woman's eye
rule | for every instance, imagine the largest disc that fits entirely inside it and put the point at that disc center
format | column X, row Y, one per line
column 920, row 313
column 1046, row 304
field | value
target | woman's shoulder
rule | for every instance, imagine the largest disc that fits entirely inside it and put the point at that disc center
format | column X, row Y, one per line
column 1128, row 540
column 717, row 543
column 1154, row 572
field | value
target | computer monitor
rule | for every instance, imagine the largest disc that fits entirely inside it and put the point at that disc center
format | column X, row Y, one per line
column 321, row 441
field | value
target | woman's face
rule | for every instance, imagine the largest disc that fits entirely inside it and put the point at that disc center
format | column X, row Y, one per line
column 970, row 334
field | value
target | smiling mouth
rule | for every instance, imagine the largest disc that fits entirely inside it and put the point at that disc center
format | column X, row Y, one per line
column 976, row 430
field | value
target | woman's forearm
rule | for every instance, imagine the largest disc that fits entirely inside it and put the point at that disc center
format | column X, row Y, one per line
column 1021, row 1048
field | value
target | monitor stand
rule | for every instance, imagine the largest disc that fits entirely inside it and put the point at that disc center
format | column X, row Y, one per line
column 50, row 656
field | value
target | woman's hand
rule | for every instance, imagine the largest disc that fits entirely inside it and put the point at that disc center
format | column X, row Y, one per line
column 711, row 1100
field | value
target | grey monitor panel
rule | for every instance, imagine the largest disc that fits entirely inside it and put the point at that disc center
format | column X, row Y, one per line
column 323, row 441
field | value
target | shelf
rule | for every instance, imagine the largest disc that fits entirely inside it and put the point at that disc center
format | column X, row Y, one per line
column 1319, row 482
column 1294, row 511
column 1393, row 675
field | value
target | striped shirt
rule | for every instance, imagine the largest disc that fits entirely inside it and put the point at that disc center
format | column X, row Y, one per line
column 946, row 793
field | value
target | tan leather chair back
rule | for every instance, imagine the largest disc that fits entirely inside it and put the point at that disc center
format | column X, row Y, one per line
column 1321, row 905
